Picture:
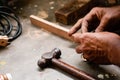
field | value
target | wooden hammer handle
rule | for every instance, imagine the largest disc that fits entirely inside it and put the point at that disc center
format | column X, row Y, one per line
column 71, row 70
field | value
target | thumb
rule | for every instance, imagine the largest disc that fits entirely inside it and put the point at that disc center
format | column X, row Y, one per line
column 102, row 25
column 77, row 37
column 75, row 28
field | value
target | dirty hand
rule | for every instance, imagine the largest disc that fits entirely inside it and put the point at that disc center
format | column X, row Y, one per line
column 100, row 17
column 99, row 48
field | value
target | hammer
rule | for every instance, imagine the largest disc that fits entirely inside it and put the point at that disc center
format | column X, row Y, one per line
column 52, row 58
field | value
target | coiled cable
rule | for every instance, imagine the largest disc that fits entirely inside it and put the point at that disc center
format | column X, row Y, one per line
column 9, row 23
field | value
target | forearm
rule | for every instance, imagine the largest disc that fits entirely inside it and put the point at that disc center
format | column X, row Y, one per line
column 118, row 53
column 117, row 62
column 115, row 52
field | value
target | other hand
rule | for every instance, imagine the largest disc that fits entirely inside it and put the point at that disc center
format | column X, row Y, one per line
column 100, row 17
column 99, row 48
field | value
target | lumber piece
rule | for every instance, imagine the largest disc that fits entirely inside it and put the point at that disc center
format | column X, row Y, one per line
column 51, row 27
column 74, row 10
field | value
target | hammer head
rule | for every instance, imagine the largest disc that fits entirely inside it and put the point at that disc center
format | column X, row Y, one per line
column 46, row 58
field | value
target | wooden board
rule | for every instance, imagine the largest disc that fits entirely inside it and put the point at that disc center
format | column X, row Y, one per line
column 51, row 27
column 74, row 10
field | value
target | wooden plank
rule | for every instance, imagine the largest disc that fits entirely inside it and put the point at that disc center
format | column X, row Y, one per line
column 51, row 27
column 74, row 10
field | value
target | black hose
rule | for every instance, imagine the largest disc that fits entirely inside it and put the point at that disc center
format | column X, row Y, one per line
column 7, row 16
column 9, row 25
column 3, row 28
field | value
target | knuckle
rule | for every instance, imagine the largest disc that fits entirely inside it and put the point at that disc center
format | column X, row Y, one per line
column 84, row 36
column 96, row 9
column 86, row 56
column 79, row 20
column 76, row 37
column 79, row 49
column 107, row 17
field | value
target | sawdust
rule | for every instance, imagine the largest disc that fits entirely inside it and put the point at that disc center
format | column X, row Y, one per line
column 2, row 63
column 52, row 7
column 42, row 14
column 100, row 76
column 51, row 3
column 35, row 6
column 103, row 76
column 36, row 34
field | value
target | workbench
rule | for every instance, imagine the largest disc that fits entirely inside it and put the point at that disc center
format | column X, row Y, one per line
column 21, row 56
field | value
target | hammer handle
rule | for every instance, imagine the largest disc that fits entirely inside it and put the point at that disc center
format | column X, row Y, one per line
column 71, row 70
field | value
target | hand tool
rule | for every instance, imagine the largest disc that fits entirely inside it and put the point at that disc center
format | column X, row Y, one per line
column 52, row 58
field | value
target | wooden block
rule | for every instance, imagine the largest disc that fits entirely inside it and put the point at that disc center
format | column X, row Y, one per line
column 51, row 27
column 3, row 41
column 74, row 10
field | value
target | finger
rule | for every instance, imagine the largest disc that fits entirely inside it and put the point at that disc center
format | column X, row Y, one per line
column 91, row 15
column 77, row 37
column 102, row 25
column 79, row 49
column 84, row 27
column 75, row 28
column 83, row 48
column 89, row 56
column 85, row 56
column 88, row 18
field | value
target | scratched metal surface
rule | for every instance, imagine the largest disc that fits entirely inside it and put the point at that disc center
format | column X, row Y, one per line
column 21, row 56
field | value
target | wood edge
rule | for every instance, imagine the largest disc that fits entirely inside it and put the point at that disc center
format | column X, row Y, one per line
column 51, row 27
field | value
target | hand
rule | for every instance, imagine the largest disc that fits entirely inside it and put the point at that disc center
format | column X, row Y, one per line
column 99, row 48
column 100, row 17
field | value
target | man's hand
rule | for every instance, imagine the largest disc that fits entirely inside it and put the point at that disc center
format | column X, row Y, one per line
column 99, row 48
column 102, row 17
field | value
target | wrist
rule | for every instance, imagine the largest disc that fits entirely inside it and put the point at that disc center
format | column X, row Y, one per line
column 114, row 52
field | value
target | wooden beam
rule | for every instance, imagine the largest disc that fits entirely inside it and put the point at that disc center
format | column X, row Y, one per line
column 51, row 27
column 74, row 10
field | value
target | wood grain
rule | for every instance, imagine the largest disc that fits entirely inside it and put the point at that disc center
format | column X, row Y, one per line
column 51, row 27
